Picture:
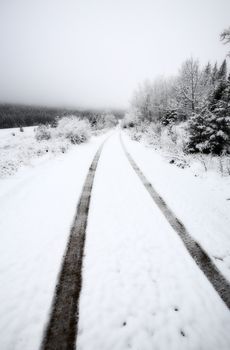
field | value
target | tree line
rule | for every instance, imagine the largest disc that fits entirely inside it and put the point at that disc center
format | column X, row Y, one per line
column 198, row 96
column 19, row 115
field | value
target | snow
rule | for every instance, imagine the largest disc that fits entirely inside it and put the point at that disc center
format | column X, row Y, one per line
column 37, row 206
column 19, row 149
column 141, row 289
column 200, row 202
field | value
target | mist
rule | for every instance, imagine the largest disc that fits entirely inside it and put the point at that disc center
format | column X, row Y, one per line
column 93, row 53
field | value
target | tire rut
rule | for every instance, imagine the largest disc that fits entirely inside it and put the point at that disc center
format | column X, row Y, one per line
column 218, row 281
column 61, row 330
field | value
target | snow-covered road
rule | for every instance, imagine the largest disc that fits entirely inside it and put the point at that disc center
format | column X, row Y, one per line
column 141, row 289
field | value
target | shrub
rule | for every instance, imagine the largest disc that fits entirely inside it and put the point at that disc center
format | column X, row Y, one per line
column 42, row 133
column 169, row 118
column 75, row 130
column 54, row 122
column 110, row 121
column 129, row 121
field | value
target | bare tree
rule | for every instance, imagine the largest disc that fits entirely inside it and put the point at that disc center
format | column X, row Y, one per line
column 225, row 37
column 142, row 101
column 189, row 85
column 152, row 99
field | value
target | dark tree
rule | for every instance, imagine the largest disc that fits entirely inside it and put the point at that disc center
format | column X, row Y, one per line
column 214, row 74
column 210, row 129
column 222, row 72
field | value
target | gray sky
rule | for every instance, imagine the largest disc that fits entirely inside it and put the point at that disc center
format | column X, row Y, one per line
column 93, row 53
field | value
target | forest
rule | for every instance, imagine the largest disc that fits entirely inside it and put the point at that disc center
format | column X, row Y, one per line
column 12, row 115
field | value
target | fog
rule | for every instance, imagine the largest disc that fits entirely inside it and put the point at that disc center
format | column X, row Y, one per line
column 93, row 53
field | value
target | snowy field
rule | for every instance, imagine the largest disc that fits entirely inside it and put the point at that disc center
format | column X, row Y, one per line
column 19, row 149
column 37, row 206
column 30, row 145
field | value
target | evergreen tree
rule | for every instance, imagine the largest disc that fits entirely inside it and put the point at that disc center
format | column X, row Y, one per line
column 210, row 129
column 220, row 86
column 206, row 75
column 214, row 74
column 170, row 117
column 208, row 69
column 196, row 128
column 216, row 94
column 222, row 72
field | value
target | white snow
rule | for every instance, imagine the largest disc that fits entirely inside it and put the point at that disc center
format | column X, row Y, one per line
column 202, row 203
column 141, row 289
column 37, row 206
column 19, row 149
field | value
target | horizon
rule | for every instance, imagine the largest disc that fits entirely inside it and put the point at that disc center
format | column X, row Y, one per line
column 61, row 107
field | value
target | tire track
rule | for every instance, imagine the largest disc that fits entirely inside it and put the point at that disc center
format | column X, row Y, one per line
column 61, row 330
column 220, row 284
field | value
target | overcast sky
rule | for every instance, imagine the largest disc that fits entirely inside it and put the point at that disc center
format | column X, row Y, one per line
column 93, row 53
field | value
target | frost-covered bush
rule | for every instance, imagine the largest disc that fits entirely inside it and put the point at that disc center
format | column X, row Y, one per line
column 102, row 121
column 54, row 122
column 143, row 130
column 74, row 129
column 151, row 133
column 42, row 133
column 169, row 117
column 130, row 120
column 71, row 128
column 110, row 121
column 99, row 122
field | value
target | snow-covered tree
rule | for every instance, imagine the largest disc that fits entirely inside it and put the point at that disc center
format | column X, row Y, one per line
column 198, row 95
column 142, row 101
column 170, row 117
column 209, row 130
column 215, row 74
column 207, row 74
column 189, row 85
column 151, row 100
column 130, row 119
column 206, row 85
column 110, row 120
column 222, row 72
